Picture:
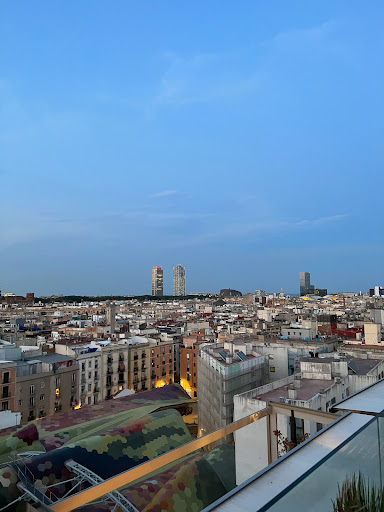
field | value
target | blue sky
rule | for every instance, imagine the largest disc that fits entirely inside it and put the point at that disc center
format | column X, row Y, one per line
column 243, row 140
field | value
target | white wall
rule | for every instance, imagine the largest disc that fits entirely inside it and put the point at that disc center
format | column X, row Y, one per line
column 9, row 419
column 251, row 442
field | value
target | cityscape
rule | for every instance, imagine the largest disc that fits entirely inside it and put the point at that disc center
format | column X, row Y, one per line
column 191, row 266
column 183, row 366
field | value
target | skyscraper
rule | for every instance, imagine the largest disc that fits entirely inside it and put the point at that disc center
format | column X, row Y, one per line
column 178, row 281
column 305, row 283
column 157, row 282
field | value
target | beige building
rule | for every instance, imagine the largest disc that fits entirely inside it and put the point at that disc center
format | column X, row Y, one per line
column 46, row 385
column 372, row 334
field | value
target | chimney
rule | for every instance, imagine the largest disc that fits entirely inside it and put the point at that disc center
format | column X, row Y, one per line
column 282, row 400
column 228, row 359
column 297, row 381
column 292, row 392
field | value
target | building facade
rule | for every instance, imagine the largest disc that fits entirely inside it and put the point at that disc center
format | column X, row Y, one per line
column 179, row 281
column 157, row 282
column 7, row 385
column 305, row 283
column 46, row 385
column 224, row 370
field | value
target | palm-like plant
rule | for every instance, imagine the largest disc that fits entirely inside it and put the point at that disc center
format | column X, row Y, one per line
column 356, row 495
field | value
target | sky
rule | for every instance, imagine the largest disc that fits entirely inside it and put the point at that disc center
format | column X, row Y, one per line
column 243, row 140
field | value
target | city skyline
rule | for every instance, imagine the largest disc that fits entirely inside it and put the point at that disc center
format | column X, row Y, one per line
column 239, row 140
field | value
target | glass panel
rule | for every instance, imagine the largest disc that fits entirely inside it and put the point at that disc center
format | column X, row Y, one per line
column 317, row 490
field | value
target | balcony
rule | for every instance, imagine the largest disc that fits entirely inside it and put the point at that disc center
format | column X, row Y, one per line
column 143, row 378
column 143, row 367
column 135, row 358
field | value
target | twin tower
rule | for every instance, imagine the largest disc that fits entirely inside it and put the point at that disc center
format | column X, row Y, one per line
column 178, row 281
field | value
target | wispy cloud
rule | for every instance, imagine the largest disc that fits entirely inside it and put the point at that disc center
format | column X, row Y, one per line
column 164, row 193
column 204, row 77
column 312, row 34
column 240, row 229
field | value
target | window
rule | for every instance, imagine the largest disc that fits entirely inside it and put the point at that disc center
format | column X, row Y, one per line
column 270, row 356
column 187, row 357
column 90, row 364
column 89, row 375
column 299, row 427
column 42, row 384
column 57, row 382
column 6, row 378
column 4, row 406
column 272, row 369
column 41, row 398
column 31, row 389
column 82, row 366
column 31, row 401
column 89, row 387
column 20, row 403
column 6, row 393
column 73, row 377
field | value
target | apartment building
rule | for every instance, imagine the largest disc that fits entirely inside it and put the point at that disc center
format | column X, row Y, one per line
column 224, row 370
column 7, row 385
column 89, row 360
column 46, row 385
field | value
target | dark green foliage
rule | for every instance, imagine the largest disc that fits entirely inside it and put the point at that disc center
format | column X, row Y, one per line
column 140, row 298
column 356, row 495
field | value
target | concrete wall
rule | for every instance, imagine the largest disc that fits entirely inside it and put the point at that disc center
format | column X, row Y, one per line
column 372, row 333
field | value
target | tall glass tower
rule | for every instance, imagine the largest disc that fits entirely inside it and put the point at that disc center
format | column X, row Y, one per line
column 305, row 282
column 179, row 281
column 157, row 282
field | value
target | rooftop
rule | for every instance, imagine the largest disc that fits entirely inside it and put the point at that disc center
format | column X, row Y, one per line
column 309, row 388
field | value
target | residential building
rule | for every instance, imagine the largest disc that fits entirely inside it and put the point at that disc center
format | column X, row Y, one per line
column 224, row 370
column 189, row 352
column 157, row 282
column 179, row 281
column 7, row 385
column 45, row 385
column 320, row 383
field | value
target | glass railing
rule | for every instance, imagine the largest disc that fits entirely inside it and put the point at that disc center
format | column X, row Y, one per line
column 356, row 466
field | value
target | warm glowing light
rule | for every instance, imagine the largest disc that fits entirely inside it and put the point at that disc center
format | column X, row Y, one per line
column 160, row 383
column 57, row 392
column 185, row 385
column 77, row 406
